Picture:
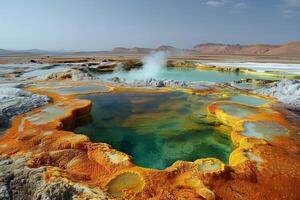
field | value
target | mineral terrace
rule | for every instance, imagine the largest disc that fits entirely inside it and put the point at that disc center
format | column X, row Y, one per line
column 42, row 158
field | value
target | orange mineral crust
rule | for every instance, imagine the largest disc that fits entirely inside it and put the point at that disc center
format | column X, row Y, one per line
column 262, row 166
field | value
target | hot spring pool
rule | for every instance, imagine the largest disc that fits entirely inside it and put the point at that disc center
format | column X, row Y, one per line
column 183, row 74
column 156, row 129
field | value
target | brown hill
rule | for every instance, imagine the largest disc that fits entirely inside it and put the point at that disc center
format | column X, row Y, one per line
column 213, row 48
column 236, row 49
column 135, row 50
column 290, row 49
column 139, row 50
column 257, row 49
column 166, row 48
column 121, row 50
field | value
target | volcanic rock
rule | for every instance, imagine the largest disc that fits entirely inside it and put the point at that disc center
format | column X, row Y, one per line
column 72, row 74
column 132, row 64
column 20, row 182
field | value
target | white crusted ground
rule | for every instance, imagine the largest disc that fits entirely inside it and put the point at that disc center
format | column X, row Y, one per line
column 15, row 101
column 286, row 91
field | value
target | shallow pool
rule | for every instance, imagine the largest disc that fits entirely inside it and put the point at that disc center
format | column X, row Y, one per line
column 248, row 100
column 48, row 114
column 263, row 129
column 237, row 111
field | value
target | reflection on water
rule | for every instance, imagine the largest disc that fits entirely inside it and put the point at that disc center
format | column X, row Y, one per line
column 156, row 129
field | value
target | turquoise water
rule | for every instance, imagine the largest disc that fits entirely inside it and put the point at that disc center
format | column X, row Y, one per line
column 186, row 75
column 156, row 129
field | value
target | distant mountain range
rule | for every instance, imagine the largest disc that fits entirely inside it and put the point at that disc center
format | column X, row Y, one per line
column 290, row 49
column 138, row 50
column 4, row 52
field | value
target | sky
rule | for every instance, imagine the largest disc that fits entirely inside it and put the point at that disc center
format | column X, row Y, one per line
column 105, row 24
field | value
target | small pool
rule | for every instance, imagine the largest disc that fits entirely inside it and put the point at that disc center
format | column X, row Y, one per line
column 48, row 114
column 236, row 111
column 247, row 100
column 156, row 129
column 263, row 129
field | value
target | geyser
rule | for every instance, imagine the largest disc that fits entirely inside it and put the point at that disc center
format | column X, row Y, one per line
column 153, row 63
column 153, row 66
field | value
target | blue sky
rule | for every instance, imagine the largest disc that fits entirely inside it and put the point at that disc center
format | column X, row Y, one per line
column 104, row 24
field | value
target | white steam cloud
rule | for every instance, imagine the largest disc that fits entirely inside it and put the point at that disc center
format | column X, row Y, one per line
column 153, row 65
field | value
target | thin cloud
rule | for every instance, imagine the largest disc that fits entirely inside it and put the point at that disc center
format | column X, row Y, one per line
column 216, row 2
column 291, row 3
column 241, row 5
column 237, row 4
column 290, row 8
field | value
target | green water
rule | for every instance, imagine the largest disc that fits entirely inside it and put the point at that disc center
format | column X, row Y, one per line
column 156, row 129
column 184, row 74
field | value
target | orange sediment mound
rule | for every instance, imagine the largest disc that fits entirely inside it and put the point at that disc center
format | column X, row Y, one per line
column 258, row 168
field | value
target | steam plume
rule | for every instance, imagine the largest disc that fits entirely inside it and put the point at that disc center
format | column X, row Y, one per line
column 153, row 64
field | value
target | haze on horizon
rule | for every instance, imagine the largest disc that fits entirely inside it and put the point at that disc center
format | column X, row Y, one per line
column 105, row 24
